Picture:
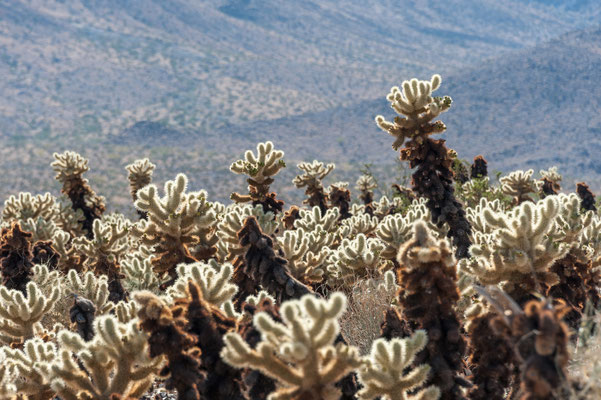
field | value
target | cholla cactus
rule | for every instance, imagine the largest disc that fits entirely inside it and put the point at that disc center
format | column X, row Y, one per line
column 233, row 220
column 70, row 167
column 104, row 251
column 20, row 315
column 260, row 170
column 116, row 362
column 396, row 229
column 359, row 223
column 27, row 206
column 305, row 258
column 385, row 371
column 586, row 196
column 340, row 197
column 168, row 337
column 479, row 168
column 140, row 175
column 212, row 278
column 15, row 257
column 263, row 268
column 433, row 178
column 176, row 221
column 366, row 184
column 428, row 295
column 68, row 257
column 356, row 258
column 299, row 353
column 519, row 184
column 28, row 367
column 540, row 342
column 311, row 179
column 491, row 356
column 521, row 251
column 549, row 182
column 416, row 103
column 316, row 219
column 570, row 221
column 139, row 275
column 90, row 287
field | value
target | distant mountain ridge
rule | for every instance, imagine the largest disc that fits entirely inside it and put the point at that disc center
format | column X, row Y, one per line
column 120, row 80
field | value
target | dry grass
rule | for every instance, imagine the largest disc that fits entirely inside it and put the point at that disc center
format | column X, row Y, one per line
column 585, row 363
column 367, row 302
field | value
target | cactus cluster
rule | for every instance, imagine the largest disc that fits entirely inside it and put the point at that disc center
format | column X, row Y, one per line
column 460, row 287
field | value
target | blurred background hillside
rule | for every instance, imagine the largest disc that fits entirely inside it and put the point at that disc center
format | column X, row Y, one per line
column 192, row 84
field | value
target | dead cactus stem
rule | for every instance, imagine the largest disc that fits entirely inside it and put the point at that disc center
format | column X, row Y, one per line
column 341, row 197
column 85, row 199
column 578, row 283
column 168, row 336
column 540, row 343
column 262, row 267
column 427, row 296
column 587, row 198
column 433, row 180
column 490, row 361
column 209, row 324
column 479, row 168
column 15, row 257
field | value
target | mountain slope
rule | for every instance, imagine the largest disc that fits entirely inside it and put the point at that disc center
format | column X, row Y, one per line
column 533, row 109
column 199, row 65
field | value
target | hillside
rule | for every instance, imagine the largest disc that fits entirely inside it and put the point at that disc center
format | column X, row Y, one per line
column 532, row 109
column 193, row 85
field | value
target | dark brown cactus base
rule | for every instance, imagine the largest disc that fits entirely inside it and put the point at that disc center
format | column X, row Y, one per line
column 587, row 198
column 433, row 180
column 578, row 283
column 490, row 360
column 479, row 168
column 15, row 257
column 263, row 268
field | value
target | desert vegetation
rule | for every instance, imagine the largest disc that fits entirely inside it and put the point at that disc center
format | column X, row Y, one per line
column 455, row 285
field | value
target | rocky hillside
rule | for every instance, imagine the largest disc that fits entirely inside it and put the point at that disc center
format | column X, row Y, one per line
column 193, row 84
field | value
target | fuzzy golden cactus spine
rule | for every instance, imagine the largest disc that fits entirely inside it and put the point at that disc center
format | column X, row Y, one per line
column 299, row 353
column 70, row 167
column 139, row 175
column 305, row 258
column 385, row 373
column 313, row 174
column 212, row 278
column 260, row 170
column 427, row 295
column 433, row 178
column 20, row 314
column 519, row 185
